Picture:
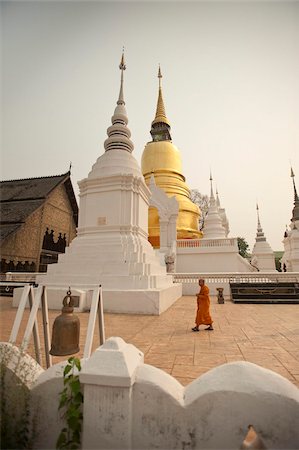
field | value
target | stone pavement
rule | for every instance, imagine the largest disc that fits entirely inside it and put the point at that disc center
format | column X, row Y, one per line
column 267, row 335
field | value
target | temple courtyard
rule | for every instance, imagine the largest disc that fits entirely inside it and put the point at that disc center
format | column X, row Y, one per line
column 264, row 334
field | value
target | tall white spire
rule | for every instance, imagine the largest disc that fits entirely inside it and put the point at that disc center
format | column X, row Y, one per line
column 118, row 133
column 217, row 198
column 222, row 214
column 262, row 254
column 122, row 67
column 212, row 198
column 295, row 212
column 213, row 228
column 290, row 259
column 259, row 234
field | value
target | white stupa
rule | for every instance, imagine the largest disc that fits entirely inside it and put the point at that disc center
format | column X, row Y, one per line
column 213, row 227
column 111, row 247
column 215, row 252
column 222, row 214
column 290, row 259
column 262, row 254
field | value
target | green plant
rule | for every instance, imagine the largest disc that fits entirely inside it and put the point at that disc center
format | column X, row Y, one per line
column 70, row 405
column 243, row 247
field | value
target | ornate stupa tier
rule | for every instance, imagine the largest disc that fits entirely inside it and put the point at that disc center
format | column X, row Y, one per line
column 162, row 159
column 118, row 146
column 118, row 133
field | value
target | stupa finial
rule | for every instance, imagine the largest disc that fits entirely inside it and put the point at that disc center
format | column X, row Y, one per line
column 160, row 111
column 295, row 215
column 122, row 67
column 217, row 198
column 211, row 181
column 258, row 216
column 295, row 190
column 160, row 77
column 259, row 234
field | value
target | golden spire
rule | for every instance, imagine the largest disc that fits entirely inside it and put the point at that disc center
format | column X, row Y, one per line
column 160, row 111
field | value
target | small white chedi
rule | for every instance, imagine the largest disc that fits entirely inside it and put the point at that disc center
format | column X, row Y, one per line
column 111, row 247
column 262, row 254
column 215, row 252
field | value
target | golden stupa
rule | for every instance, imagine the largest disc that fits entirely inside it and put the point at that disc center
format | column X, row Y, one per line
column 163, row 160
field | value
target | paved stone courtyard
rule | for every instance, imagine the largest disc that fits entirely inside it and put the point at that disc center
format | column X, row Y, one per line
column 267, row 335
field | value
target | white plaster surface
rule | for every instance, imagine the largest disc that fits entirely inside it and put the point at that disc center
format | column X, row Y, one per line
column 151, row 301
column 118, row 361
column 291, row 248
column 45, row 395
column 131, row 405
column 212, row 412
column 136, row 301
column 212, row 258
column 111, row 248
column 21, row 364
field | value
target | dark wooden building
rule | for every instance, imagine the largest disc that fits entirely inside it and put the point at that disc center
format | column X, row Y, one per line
column 38, row 220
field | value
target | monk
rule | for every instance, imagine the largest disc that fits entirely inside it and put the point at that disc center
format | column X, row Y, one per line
column 203, row 307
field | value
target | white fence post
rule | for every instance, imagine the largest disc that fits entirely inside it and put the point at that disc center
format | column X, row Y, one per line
column 108, row 377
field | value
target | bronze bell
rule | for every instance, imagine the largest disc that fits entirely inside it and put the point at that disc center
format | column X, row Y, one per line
column 66, row 330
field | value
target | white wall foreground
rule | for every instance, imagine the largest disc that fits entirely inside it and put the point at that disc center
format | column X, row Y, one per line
column 132, row 405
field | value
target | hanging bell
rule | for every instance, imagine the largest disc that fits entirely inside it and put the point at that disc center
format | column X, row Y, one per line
column 66, row 330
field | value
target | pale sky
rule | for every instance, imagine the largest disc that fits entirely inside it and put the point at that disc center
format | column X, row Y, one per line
column 230, row 84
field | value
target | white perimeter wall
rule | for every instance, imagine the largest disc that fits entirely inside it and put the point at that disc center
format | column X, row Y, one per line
column 132, row 405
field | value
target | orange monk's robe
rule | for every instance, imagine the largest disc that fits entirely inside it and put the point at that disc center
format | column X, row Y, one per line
column 203, row 307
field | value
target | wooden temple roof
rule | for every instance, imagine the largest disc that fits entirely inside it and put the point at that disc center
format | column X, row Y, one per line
column 20, row 198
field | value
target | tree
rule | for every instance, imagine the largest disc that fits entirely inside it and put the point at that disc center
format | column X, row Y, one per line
column 243, row 246
column 202, row 201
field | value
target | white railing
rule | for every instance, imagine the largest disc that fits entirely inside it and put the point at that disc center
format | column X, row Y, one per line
column 230, row 277
column 192, row 243
column 188, row 243
column 222, row 279
column 210, row 277
column 190, row 280
column 21, row 276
